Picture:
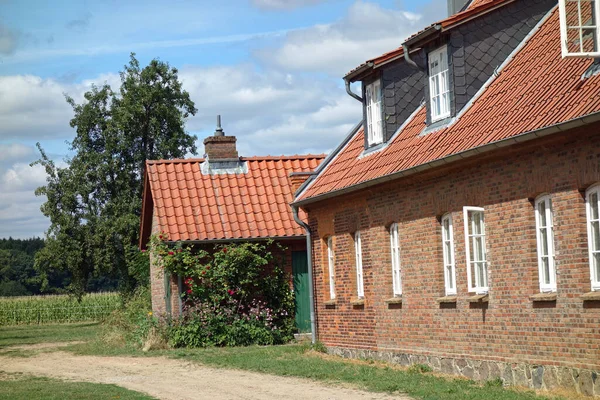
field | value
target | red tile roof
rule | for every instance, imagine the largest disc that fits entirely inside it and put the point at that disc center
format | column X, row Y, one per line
column 193, row 206
column 536, row 89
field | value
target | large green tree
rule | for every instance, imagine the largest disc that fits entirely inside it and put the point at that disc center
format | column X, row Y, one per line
column 94, row 203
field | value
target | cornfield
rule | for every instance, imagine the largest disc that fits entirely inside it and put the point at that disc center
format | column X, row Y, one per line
column 56, row 309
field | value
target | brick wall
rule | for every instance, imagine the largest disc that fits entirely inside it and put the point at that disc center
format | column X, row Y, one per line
column 157, row 283
column 510, row 328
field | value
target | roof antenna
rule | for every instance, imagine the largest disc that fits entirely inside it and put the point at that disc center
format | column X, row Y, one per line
column 219, row 130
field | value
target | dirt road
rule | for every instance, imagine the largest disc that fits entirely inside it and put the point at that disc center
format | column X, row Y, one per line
column 177, row 380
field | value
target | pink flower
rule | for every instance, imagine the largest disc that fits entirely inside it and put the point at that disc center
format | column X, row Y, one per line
column 143, row 250
column 171, row 253
column 224, row 249
column 231, row 292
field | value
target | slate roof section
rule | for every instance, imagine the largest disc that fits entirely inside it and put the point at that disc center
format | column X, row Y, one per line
column 536, row 89
column 191, row 206
column 476, row 8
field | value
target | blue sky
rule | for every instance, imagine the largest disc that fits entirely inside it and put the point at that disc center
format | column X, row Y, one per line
column 272, row 68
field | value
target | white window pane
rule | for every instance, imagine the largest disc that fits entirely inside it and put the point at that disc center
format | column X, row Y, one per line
column 597, row 267
column 594, row 204
column 595, row 236
column 449, row 277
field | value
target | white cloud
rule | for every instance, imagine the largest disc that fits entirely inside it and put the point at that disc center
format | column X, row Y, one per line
column 366, row 31
column 15, row 151
column 20, row 215
column 284, row 4
column 33, row 107
column 268, row 111
column 22, row 177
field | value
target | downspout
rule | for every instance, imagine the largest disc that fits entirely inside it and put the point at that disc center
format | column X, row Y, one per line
column 351, row 93
column 311, row 289
column 408, row 59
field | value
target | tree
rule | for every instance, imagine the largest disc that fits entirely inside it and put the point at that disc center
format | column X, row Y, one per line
column 94, row 203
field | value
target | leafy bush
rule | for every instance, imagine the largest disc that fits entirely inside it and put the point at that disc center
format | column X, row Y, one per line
column 235, row 296
column 133, row 323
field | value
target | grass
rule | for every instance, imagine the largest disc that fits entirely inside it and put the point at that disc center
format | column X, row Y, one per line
column 300, row 361
column 15, row 387
column 295, row 360
column 24, row 335
column 37, row 310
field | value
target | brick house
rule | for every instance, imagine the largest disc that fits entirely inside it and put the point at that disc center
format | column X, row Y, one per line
column 457, row 225
column 226, row 198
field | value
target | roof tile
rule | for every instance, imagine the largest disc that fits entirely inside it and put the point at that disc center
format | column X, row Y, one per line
column 193, row 206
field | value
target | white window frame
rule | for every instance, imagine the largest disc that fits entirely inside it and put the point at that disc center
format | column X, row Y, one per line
column 374, row 118
column 395, row 256
column 360, row 288
column 562, row 6
column 549, row 286
column 479, row 287
column 594, row 269
column 331, row 266
column 439, row 84
column 449, row 260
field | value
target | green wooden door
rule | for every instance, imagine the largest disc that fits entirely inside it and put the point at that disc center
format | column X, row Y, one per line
column 301, row 290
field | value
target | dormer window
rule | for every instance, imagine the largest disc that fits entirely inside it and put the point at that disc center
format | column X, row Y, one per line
column 579, row 28
column 439, row 92
column 373, row 104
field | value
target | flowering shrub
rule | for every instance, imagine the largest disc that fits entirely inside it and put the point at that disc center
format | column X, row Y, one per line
column 236, row 295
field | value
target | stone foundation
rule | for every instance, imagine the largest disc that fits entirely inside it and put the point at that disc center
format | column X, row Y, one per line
column 518, row 374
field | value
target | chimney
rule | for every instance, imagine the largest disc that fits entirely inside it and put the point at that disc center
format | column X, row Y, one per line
column 297, row 179
column 455, row 6
column 220, row 147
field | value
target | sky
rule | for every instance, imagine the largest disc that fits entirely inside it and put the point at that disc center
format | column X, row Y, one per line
column 272, row 68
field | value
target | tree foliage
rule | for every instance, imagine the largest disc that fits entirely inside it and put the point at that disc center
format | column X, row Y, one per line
column 94, row 203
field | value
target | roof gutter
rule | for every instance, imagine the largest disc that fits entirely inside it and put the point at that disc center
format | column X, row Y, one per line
column 311, row 287
column 425, row 33
column 353, row 74
column 236, row 240
column 524, row 137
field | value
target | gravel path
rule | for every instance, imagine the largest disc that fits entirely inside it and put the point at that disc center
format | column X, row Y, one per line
column 177, row 380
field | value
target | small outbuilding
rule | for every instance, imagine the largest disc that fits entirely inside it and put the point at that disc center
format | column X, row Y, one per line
column 224, row 198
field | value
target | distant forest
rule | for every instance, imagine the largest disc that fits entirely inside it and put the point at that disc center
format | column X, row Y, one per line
column 18, row 276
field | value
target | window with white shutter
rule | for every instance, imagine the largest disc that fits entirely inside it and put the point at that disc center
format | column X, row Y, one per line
column 360, row 289
column 579, row 29
column 374, row 122
column 395, row 252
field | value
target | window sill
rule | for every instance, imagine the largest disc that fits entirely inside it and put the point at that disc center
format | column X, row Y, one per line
column 446, row 299
column 358, row 302
column 331, row 302
column 394, row 300
column 543, row 297
column 591, row 296
column 479, row 298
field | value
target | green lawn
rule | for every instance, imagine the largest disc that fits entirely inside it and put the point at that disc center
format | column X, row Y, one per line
column 33, row 334
column 290, row 360
column 32, row 388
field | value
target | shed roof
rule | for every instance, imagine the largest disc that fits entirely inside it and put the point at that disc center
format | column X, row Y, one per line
column 192, row 205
